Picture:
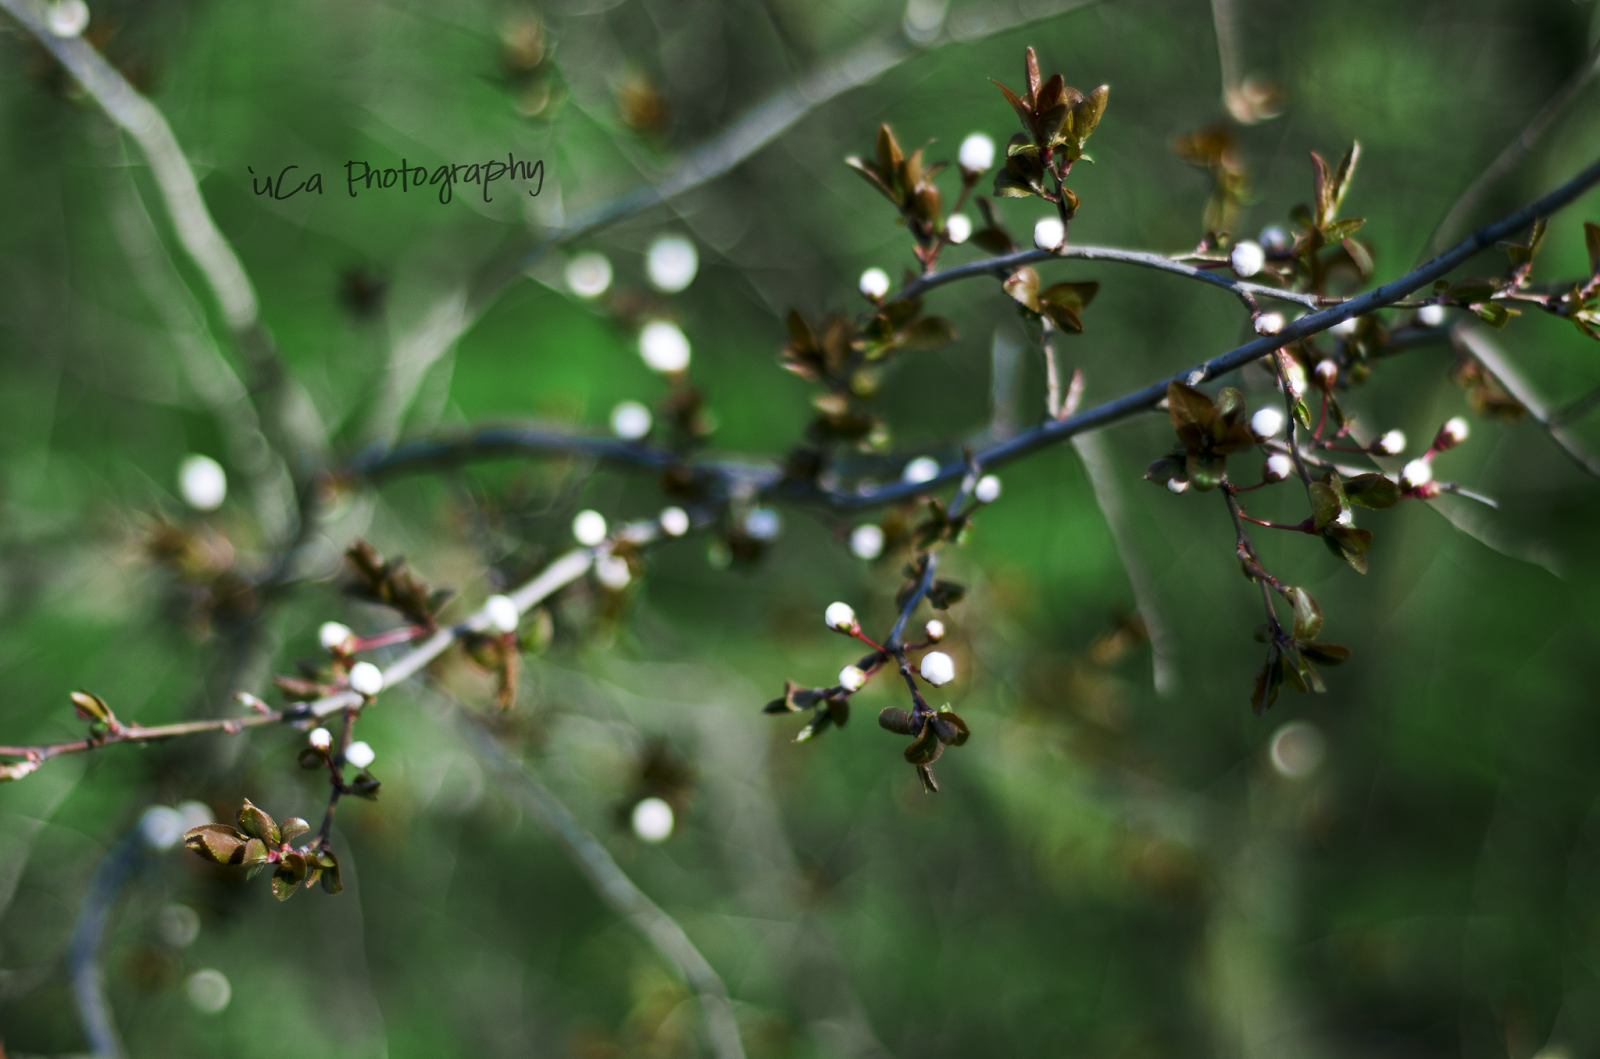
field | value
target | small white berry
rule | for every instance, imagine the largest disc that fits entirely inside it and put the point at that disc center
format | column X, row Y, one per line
column 866, row 542
column 987, row 491
column 671, row 263
column 1279, row 467
column 1454, row 431
column 937, row 668
column 320, row 738
column 1274, row 239
column 360, row 755
column 852, row 678
column 763, row 523
column 1247, row 258
column 663, row 347
column 958, row 228
column 1048, row 233
column 366, row 679
column 502, row 612
column 840, row 616
column 874, row 283
column 1417, row 472
column 589, row 527
column 1393, row 443
column 1327, row 372
column 589, row 275
column 1430, row 315
column 1266, row 422
column 674, row 521
column 202, row 482
column 630, row 420
column 922, row 469
column 1269, row 323
column 612, row 571
column 1344, row 328
column 977, row 153
column 934, row 630
column 68, row 18
column 652, row 820
column 1177, row 485
column 333, row 635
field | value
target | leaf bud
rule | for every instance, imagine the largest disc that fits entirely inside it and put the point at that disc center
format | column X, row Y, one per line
column 1266, row 423
column 874, row 283
column 366, row 679
column 852, row 678
column 937, row 668
column 1247, row 258
column 977, row 153
column 502, row 613
column 840, row 616
column 987, row 491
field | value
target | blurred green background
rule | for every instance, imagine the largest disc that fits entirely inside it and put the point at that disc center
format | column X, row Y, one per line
column 1107, row 871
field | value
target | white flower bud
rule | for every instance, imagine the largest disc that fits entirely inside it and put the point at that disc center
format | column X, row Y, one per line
column 1048, row 233
column 1345, row 328
column 1430, row 315
column 1274, row 239
column 674, row 521
column 612, row 571
column 1269, row 323
column 763, row 523
column 937, row 668
column 1177, row 485
column 630, row 420
column 663, row 347
column 652, row 820
column 589, row 528
column 1278, row 468
column 320, row 738
column 866, row 542
column 1266, row 422
column 874, row 283
column 68, row 18
column 366, row 679
column 987, row 491
column 1327, row 372
column 921, row 469
column 958, row 228
column 852, row 678
column 1454, row 432
column 1417, row 472
column 934, row 629
column 840, row 616
column 977, row 153
column 202, row 482
column 333, row 635
column 671, row 263
column 360, row 755
column 1247, row 258
column 1393, row 443
column 502, row 612
column 589, row 275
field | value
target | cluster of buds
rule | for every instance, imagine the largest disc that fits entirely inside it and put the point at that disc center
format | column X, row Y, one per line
column 260, row 842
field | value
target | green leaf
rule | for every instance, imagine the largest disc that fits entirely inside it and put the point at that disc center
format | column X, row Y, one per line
column 925, row 748
column 255, row 853
column 1268, row 680
column 1191, row 413
column 255, row 822
column 1307, row 615
column 1205, row 471
column 1350, row 544
column 930, row 332
column 1328, row 654
column 284, row 882
column 1493, row 314
column 1325, row 506
column 1341, row 178
column 1372, row 490
column 292, row 828
column 895, row 719
column 216, row 842
column 952, row 730
column 1023, row 286
column 331, row 882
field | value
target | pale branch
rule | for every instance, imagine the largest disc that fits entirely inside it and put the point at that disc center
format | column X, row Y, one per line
column 83, row 949
column 1476, row 343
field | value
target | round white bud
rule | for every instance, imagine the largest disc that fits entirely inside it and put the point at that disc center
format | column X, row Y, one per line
column 1417, row 472
column 934, row 630
column 874, row 283
column 68, row 18
column 1454, row 431
column 866, row 542
column 360, row 754
column 1344, row 328
column 674, row 521
column 1266, row 422
column 1327, row 372
column 1048, row 233
column 652, row 820
column 671, row 263
column 1430, row 315
column 1278, row 467
column 987, row 491
column 1274, row 239
column 663, row 347
column 630, row 421
column 958, row 228
column 977, row 153
column 763, row 523
column 320, row 738
column 922, row 469
column 208, row 990
column 202, row 482
column 1177, row 485
column 1247, row 258
column 589, row 528
column 366, row 679
column 612, row 571
column 840, row 616
column 1269, row 323
column 502, row 613
column 333, row 635
column 589, row 275
column 161, row 827
column 937, row 668
column 852, row 678
column 1393, row 443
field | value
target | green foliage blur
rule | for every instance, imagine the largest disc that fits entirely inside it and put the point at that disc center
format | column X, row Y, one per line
column 1107, row 871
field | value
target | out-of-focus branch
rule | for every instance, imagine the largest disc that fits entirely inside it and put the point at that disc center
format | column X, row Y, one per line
column 83, row 950
column 1477, row 344
column 618, row 891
